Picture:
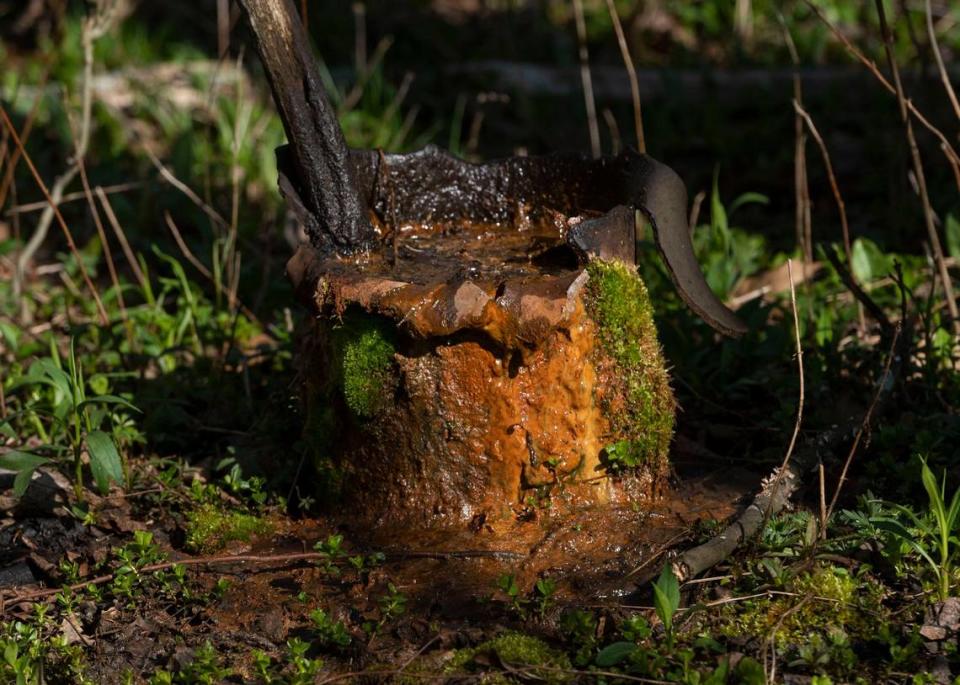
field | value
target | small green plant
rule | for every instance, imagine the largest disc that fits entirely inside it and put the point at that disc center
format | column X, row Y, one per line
column 331, row 551
column 507, row 584
column 132, row 557
column 623, row 455
column 727, row 254
column 666, row 600
column 546, row 588
column 329, row 632
column 934, row 534
column 204, row 669
column 392, row 605
column 580, row 627
column 76, row 418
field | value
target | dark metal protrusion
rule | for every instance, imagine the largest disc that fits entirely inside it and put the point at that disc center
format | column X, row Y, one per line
column 333, row 214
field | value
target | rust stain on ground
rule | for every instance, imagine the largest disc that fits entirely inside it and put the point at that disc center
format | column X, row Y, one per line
column 589, row 556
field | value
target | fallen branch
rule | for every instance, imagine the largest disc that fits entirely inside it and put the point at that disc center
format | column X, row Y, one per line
column 778, row 488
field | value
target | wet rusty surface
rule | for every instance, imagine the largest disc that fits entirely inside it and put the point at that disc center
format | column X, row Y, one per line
column 471, row 433
column 404, row 193
column 498, row 376
column 513, row 285
column 593, row 558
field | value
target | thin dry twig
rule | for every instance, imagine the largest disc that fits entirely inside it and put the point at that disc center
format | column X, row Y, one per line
column 104, row 243
column 885, row 380
column 802, row 218
column 122, row 238
column 799, row 349
column 223, row 28
column 185, row 250
column 835, row 188
column 28, row 207
column 771, row 642
column 586, row 79
column 186, row 190
column 859, row 293
column 104, row 319
column 353, row 97
column 822, row 481
column 614, row 130
column 938, row 57
column 14, row 158
column 945, row 144
column 359, row 10
column 632, row 72
column 932, row 234
column 95, row 26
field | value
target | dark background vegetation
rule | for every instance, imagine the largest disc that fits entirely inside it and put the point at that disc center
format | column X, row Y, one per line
column 192, row 376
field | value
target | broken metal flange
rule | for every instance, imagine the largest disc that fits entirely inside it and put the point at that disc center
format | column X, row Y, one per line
column 432, row 186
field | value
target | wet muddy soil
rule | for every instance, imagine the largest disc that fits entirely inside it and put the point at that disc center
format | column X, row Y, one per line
column 449, row 583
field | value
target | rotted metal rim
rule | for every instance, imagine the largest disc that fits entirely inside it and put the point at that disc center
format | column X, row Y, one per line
column 431, row 185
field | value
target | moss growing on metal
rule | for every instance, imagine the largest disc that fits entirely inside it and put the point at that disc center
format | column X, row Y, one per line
column 367, row 367
column 514, row 650
column 210, row 527
column 638, row 401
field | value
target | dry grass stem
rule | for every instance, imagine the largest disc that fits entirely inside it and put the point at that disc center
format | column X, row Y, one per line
column 204, row 271
column 122, row 238
column 938, row 57
column 67, row 198
column 104, row 243
column 614, row 130
column 821, row 477
column 885, row 381
column 223, row 27
column 932, row 234
column 695, row 210
column 14, row 155
column 359, row 35
column 632, row 73
column 104, row 319
column 801, row 189
column 353, row 97
column 799, row 350
column 837, row 196
column 586, row 79
column 168, row 176
column 945, row 145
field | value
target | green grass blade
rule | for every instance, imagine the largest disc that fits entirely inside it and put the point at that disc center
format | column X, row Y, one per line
column 104, row 460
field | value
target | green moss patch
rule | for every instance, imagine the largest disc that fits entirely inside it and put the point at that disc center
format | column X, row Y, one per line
column 514, row 651
column 641, row 406
column 827, row 604
column 210, row 528
column 367, row 366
